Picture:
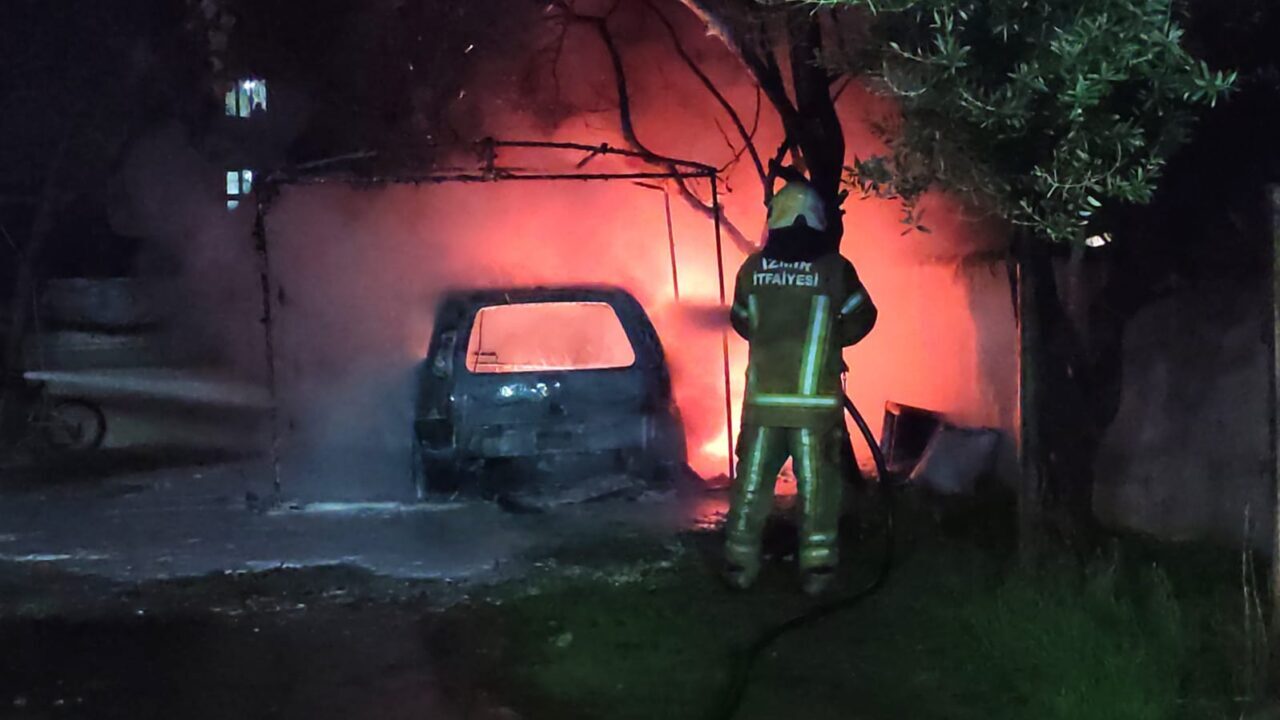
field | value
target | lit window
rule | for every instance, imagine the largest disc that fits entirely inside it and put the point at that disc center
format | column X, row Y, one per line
column 1098, row 241
column 548, row 336
column 239, row 184
column 246, row 97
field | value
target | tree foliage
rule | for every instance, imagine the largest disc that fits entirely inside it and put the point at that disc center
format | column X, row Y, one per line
column 1043, row 110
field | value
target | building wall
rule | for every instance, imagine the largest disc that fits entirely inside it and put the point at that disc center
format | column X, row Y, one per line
column 1188, row 454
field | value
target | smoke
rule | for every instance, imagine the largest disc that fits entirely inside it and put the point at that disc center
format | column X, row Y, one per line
column 357, row 271
column 199, row 253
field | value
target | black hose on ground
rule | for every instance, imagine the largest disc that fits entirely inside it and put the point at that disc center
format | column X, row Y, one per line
column 741, row 673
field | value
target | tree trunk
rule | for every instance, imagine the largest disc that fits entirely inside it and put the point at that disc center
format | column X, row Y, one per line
column 1030, row 437
column 1068, row 392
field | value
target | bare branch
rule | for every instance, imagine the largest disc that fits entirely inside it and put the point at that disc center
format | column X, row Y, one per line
column 737, row 153
column 769, row 77
column 763, row 67
column 775, row 164
column 755, row 121
column 747, row 137
column 627, row 123
column 715, row 25
column 743, row 243
column 554, row 52
column 840, row 90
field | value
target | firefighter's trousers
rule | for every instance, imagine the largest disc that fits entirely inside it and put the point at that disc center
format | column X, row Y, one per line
column 816, row 459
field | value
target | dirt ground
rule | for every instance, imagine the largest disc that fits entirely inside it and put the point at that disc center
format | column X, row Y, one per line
column 132, row 587
column 316, row 642
column 597, row 611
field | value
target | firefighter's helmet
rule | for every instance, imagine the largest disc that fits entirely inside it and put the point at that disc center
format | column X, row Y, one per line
column 794, row 201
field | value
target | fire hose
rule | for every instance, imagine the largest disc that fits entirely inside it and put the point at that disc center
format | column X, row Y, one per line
column 741, row 672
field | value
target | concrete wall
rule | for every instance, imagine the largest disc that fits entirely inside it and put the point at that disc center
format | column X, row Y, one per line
column 1188, row 451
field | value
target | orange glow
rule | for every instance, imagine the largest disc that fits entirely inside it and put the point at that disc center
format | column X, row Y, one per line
column 548, row 336
column 944, row 339
column 364, row 267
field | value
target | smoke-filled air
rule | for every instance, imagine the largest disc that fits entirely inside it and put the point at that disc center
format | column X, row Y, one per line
column 356, row 271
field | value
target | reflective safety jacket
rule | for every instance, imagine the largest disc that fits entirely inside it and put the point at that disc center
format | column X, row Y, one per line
column 797, row 317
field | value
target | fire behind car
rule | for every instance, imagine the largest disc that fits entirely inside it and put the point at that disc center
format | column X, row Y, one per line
column 523, row 385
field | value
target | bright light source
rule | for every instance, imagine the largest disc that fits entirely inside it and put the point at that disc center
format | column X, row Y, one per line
column 246, row 97
column 1098, row 241
column 239, row 184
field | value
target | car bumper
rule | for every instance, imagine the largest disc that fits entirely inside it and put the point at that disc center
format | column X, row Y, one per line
column 499, row 441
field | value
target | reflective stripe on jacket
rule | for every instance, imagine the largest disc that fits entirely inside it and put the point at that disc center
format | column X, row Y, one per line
column 797, row 316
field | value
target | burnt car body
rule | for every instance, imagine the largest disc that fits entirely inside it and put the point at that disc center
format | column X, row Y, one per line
column 487, row 415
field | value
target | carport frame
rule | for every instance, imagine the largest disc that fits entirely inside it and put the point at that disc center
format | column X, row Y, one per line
column 488, row 172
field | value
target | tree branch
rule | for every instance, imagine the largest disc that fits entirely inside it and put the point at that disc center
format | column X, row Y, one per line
column 747, row 137
column 738, row 152
column 553, row 51
column 835, row 96
column 713, row 210
column 762, row 66
column 823, row 140
column 768, row 75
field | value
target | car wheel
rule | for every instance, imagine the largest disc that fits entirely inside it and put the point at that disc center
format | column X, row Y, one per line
column 434, row 477
column 664, row 461
column 75, row 426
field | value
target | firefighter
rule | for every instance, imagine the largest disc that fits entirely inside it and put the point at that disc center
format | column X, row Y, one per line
column 798, row 303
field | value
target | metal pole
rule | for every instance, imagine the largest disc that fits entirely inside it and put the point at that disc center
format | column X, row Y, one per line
column 724, row 333
column 671, row 238
column 264, row 275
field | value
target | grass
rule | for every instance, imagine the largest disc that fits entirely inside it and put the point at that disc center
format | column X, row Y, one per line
column 1144, row 633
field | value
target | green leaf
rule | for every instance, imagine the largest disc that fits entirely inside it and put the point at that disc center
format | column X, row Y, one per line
column 1017, row 104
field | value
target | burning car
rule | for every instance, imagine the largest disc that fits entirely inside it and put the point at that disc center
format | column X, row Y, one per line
column 525, row 384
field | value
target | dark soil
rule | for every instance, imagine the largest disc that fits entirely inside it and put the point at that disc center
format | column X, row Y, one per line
column 631, row 628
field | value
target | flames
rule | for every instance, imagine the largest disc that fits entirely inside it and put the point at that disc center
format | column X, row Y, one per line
column 358, row 270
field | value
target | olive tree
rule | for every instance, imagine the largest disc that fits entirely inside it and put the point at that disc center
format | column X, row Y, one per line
column 1052, row 115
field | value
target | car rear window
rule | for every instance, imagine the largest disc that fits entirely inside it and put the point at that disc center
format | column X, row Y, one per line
column 548, row 336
